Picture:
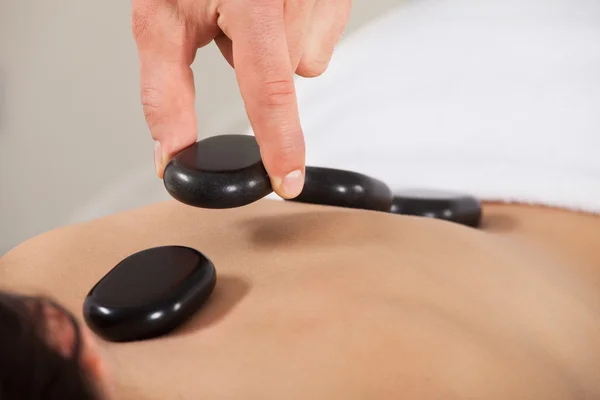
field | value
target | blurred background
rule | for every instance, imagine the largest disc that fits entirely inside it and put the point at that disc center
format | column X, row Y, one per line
column 73, row 141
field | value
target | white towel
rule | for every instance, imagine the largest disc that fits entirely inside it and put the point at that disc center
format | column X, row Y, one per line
column 499, row 99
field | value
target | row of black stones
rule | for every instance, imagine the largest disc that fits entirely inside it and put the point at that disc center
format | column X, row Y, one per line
column 227, row 171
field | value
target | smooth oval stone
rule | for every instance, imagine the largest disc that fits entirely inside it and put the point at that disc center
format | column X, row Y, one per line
column 149, row 294
column 223, row 171
column 335, row 187
column 459, row 208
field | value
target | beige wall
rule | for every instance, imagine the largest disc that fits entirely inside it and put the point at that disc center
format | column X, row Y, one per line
column 70, row 120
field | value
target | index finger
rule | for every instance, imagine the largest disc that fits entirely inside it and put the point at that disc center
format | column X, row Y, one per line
column 266, row 81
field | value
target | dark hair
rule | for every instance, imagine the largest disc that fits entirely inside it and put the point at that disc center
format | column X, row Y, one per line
column 30, row 368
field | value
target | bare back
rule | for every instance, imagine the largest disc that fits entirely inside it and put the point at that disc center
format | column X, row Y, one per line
column 320, row 302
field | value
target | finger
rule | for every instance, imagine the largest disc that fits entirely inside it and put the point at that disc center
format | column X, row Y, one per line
column 328, row 21
column 166, row 49
column 297, row 15
column 296, row 19
column 265, row 77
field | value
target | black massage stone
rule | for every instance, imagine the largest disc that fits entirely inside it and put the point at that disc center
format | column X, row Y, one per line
column 334, row 187
column 459, row 208
column 223, row 171
column 149, row 294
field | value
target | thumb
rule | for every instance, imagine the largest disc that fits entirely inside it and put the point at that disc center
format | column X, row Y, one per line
column 166, row 50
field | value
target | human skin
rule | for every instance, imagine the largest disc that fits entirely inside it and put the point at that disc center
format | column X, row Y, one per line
column 329, row 303
column 266, row 41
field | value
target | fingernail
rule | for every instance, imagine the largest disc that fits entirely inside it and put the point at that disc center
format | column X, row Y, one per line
column 292, row 184
column 158, row 158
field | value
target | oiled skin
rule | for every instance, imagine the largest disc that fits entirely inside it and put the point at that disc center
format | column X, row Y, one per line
column 324, row 303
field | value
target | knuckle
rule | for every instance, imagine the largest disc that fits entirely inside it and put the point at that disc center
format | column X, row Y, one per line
column 313, row 66
column 151, row 23
column 152, row 105
column 140, row 23
column 278, row 93
column 288, row 151
column 261, row 4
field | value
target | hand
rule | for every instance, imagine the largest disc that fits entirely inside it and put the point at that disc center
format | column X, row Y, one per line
column 266, row 41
